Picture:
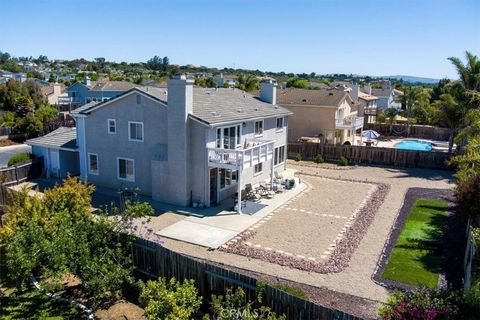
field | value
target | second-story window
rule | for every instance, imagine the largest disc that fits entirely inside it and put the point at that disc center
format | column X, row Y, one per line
column 112, row 126
column 229, row 137
column 135, row 131
column 258, row 128
column 279, row 124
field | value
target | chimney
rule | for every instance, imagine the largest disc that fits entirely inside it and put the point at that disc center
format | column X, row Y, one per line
column 268, row 91
column 180, row 105
column 86, row 81
column 354, row 92
column 57, row 89
column 367, row 89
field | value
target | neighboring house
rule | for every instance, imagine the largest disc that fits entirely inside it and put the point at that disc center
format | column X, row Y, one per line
column 366, row 102
column 59, row 151
column 183, row 145
column 330, row 115
column 6, row 74
column 20, row 77
column 87, row 91
column 221, row 81
column 54, row 93
column 388, row 96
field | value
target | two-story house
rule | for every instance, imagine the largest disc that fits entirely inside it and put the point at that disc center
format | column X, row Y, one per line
column 182, row 145
column 388, row 96
column 329, row 114
column 87, row 91
column 366, row 102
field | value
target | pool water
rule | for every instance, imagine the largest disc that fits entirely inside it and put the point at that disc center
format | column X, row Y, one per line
column 415, row 145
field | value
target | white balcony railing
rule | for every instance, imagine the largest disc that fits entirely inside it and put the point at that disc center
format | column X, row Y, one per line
column 350, row 123
column 256, row 151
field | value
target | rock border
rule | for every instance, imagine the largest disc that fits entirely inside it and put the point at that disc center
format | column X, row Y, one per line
column 343, row 247
column 325, row 165
column 410, row 196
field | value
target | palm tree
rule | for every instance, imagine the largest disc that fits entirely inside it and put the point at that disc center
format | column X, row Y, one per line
column 391, row 113
column 451, row 115
column 469, row 72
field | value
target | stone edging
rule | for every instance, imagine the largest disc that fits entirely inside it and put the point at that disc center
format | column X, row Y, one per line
column 410, row 196
column 342, row 248
column 59, row 298
column 312, row 164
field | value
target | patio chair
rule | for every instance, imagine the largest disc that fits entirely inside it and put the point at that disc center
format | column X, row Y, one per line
column 278, row 177
column 265, row 191
column 250, row 193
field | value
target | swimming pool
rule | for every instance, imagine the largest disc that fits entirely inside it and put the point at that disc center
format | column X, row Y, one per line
column 415, row 145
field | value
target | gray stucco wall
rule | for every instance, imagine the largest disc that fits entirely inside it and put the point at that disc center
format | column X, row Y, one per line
column 110, row 146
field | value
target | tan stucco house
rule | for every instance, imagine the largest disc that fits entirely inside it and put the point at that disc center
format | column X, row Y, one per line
column 329, row 114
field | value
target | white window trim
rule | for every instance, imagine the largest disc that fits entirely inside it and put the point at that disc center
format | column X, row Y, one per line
column 257, row 135
column 129, row 133
column 283, row 160
column 108, row 126
column 118, row 169
column 237, row 145
column 232, row 182
column 90, row 167
column 283, row 124
column 259, row 172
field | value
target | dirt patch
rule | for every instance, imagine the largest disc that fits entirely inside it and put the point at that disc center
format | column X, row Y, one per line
column 7, row 142
column 121, row 311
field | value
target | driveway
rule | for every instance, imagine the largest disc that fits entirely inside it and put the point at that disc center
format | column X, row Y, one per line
column 7, row 152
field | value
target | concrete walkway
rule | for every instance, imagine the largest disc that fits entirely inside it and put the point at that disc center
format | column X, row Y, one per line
column 214, row 230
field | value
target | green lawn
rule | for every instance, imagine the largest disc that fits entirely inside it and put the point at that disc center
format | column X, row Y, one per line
column 416, row 256
column 32, row 304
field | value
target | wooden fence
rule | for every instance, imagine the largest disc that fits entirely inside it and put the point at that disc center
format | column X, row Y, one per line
column 5, row 131
column 152, row 261
column 470, row 258
column 19, row 173
column 370, row 155
column 415, row 131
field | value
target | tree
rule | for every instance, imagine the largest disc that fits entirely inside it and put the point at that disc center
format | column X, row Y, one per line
column 57, row 234
column 30, row 125
column 297, row 83
column 469, row 72
column 248, row 83
column 391, row 113
column 451, row 115
column 172, row 300
column 4, row 57
column 47, row 113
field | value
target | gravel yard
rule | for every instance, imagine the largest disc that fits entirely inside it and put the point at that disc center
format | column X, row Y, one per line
column 317, row 217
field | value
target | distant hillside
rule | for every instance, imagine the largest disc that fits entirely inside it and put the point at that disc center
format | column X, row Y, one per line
column 413, row 79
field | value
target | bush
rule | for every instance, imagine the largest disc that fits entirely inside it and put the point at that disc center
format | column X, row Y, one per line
column 30, row 124
column 47, row 113
column 343, row 161
column 7, row 119
column 319, row 159
column 421, row 304
column 171, row 300
column 20, row 158
column 294, row 291
column 298, row 157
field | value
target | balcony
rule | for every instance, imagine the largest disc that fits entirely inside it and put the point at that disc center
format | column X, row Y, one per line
column 349, row 123
column 256, row 151
column 370, row 111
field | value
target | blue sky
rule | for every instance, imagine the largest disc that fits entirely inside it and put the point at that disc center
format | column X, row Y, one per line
column 375, row 37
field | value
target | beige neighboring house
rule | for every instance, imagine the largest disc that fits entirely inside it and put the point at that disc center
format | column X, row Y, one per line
column 54, row 93
column 329, row 114
column 367, row 103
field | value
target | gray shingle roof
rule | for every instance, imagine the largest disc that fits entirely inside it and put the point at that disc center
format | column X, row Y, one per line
column 112, row 86
column 62, row 138
column 321, row 97
column 212, row 106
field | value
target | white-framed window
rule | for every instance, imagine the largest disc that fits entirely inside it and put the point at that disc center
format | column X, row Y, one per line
column 126, row 169
column 258, row 128
column 139, row 99
column 229, row 137
column 227, row 178
column 135, row 131
column 112, row 126
column 279, row 124
column 93, row 163
column 279, row 155
column 258, row 169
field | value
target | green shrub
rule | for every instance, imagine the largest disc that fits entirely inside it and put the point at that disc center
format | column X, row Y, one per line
column 20, row 158
column 319, row 159
column 421, row 304
column 294, row 291
column 170, row 300
column 343, row 161
column 471, row 301
column 298, row 157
